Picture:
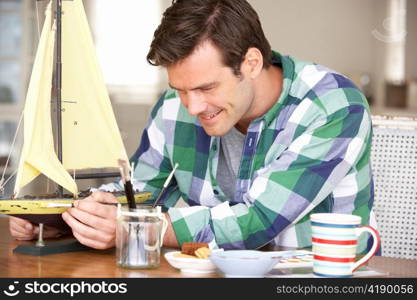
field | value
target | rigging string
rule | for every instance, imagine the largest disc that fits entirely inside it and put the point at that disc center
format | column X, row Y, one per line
column 3, row 182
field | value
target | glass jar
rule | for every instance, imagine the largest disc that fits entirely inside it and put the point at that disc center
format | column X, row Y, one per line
column 139, row 236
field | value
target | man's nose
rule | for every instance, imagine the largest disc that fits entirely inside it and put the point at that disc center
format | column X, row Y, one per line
column 196, row 104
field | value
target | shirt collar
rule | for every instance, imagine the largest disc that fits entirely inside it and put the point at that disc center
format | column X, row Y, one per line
column 287, row 65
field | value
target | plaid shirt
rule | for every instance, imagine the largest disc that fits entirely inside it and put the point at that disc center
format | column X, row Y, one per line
column 309, row 153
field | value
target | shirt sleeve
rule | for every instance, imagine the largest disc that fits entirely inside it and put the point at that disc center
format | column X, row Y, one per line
column 151, row 162
column 288, row 188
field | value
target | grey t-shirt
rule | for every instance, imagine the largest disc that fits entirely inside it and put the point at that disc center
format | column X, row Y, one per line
column 231, row 147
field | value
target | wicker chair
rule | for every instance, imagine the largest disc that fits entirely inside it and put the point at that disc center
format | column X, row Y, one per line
column 394, row 164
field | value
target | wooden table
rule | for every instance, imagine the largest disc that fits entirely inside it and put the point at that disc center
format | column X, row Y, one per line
column 99, row 263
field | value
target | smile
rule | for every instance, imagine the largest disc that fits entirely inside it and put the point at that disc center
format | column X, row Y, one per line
column 210, row 116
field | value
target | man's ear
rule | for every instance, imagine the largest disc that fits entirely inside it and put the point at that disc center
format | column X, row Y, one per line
column 253, row 63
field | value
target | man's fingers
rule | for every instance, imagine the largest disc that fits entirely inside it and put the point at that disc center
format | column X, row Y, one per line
column 20, row 222
column 99, row 196
column 92, row 222
column 17, row 228
column 20, row 226
column 20, row 234
column 88, row 219
column 22, row 237
column 97, row 209
column 89, row 233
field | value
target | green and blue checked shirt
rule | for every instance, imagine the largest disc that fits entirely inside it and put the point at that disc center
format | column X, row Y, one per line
column 309, row 153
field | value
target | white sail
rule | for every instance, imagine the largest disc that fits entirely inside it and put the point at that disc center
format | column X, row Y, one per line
column 38, row 154
column 90, row 134
column 91, row 138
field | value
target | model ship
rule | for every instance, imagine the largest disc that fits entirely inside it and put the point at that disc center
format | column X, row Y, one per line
column 87, row 135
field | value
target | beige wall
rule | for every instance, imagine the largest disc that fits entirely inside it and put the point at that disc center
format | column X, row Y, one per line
column 411, row 53
column 335, row 33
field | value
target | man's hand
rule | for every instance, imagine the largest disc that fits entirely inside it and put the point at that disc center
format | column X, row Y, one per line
column 92, row 222
column 24, row 230
column 170, row 240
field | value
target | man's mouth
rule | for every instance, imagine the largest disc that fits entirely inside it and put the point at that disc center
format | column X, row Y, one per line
column 210, row 116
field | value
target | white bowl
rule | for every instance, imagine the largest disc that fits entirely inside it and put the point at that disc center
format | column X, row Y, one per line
column 244, row 263
column 190, row 265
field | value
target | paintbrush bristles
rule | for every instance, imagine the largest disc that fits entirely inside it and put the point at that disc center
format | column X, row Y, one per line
column 122, row 175
column 124, row 170
column 166, row 183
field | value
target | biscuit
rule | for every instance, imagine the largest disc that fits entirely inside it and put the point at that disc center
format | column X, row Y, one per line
column 202, row 253
column 183, row 255
column 190, row 247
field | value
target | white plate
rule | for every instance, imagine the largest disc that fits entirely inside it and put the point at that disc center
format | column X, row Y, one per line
column 294, row 259
column 190, row 265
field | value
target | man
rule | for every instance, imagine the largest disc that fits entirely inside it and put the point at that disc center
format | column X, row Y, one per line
column 262, row 140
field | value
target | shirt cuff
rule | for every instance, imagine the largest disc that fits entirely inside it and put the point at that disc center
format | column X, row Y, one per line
column 192, row 224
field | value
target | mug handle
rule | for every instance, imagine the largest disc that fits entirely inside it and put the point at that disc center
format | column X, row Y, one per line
column 164, row 227
column 375, row 245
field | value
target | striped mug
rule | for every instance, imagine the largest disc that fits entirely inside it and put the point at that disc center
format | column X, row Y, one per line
column 335, row 240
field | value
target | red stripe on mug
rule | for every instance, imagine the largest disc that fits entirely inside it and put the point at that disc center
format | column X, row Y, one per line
column 334, row 242
column 334, row 259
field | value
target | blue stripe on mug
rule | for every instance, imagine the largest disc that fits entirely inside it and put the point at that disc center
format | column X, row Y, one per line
column 333, row 225
column 332, row 276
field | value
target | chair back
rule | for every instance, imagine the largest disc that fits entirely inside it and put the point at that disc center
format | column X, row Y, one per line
column 394, row 167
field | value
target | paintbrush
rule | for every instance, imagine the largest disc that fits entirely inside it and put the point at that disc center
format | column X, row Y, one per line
column 125, row 173
column 164, row 187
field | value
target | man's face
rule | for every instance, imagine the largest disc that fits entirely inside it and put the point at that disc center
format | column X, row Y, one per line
column 210, row 90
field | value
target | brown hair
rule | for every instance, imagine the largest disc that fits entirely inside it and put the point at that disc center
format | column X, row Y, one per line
column 232, row 25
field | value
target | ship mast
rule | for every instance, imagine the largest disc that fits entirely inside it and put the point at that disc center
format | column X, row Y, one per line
column 58, row 83
column 58, row 99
